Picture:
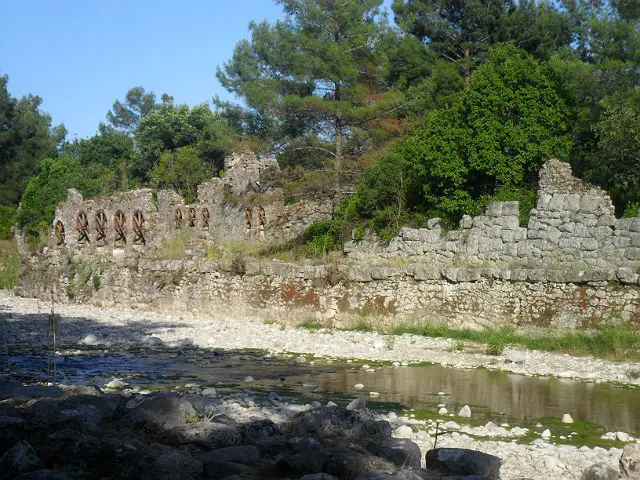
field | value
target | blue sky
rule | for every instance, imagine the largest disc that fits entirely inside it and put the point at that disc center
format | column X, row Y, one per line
column 81, row 55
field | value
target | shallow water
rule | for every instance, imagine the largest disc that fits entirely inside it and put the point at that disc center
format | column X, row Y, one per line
column 497, row 396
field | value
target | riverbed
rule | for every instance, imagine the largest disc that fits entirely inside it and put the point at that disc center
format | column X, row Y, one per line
column 406, row 377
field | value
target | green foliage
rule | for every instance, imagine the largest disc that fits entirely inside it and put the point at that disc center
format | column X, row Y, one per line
column 26, row 137
column 8, row 217
column 182, row 170
column 47, row 189
column 631, row 210
column 126, row 116
column 10, row 266
column 321, row 237
column 310, row 324
column 96, row 281
column 175, row 247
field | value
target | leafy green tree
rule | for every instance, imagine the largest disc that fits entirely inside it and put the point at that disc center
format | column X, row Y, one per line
column 46, row 190
column 181, row 170
column 170, row 127
column 316, row 74
column 536, row 27
column 26, row 137
column 494, row 138
column 125, row 116
column 616, row 163
column 459, row 30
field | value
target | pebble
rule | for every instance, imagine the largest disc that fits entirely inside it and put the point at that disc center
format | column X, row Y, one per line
column 248, row 379
column 210, row 392
column 443, row 411
column 465, row 411
column 566, row 418
column 116, row 384
column 358, row 386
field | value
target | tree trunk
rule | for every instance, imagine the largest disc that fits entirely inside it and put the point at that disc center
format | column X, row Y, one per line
column 467, row 68
column 338, row 158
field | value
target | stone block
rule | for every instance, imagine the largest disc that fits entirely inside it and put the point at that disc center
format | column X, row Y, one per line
column 634, row 240
column 557, row 202
column 536, row 275
column 384, row 273
column 450, row 274
column 570, row 243
column 623, row 224
column 590, row 204
column 410, row 234
column 480, row 221
column 572, row 202
column 519, row 275
column 494, row 209
column 356, row 274
column 425, row 273
column 632, row 253
column 510, row 222
column 468, row 275
column 589, row 244
column 453, row 235
column 606, row 221
column 511, row 208
column 543, row 201
column 627, row 275
column 434, row 223
column 602, row 232
column 466, row 222
column 634, row 225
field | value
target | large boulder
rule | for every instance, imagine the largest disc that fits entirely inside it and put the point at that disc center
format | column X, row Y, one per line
column 349, row 463
column 599, row 471
column 339, row 424
column 204, row 434
column 18, row 459
column 401, row 451
column 461, row 461
column 171, row 459
column 630, row 461
column 163, row 411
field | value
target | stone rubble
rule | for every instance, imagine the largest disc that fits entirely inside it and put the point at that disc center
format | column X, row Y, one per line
column 519, row 461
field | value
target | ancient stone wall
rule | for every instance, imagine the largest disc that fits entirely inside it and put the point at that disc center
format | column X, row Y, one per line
column 335, row 294
column 573, row 225
column 236, row 207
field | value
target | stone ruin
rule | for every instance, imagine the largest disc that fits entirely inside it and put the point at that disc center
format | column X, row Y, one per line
column 573, row 225
column 235, row 207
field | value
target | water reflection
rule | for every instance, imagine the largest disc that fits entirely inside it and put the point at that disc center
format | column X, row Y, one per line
column 500, row 397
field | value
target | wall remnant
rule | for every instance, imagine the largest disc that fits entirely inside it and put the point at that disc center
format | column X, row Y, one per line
column 573, row 225
column 224, row 212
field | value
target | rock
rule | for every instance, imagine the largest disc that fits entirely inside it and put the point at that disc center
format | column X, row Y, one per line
column 630, row 461
column 44, row 475
column 116, row 384
column 242, row 454
column 401, row 451
column 349, row 463
column 358, row 386
column 302, row 463
column 303, row 444
column 210, row 392
column 165, row 410
column 357, row 404
column 172, row 458
column 153, row 341
column 404, row 431
column 460, row 461
column 18, row 391
column 300, row 360
column 205, row 434
column 566, row 418
column 450, row 425
column 465, row 411
column 259, row 432
column 622, row 437
column 515, row 356
column 599, row 471
column 90, row 339
column 18, row 459
column 226, row 469
column 546, row 434
column 248, row 379
column 318, row 476
column 443, row 411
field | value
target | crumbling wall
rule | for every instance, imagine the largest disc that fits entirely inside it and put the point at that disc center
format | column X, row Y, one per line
column 236, row 207
column 573, row 225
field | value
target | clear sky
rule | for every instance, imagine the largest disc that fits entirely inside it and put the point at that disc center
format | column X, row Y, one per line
column 81, row 55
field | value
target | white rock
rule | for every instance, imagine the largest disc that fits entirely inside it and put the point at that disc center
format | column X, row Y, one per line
column 451, row 425
column 358, row 386
column 316, row 404
column 90, row 339
column 546, row 434
column 566, row 418
column 374, row 394
column 357, row 404
column 443, row 411
column 248, row 379
column 153, row 341
column 301, row 360
column 116, row 384
column 403, row 431
column 465, row 411
column 210, row 392
column 622, row 437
